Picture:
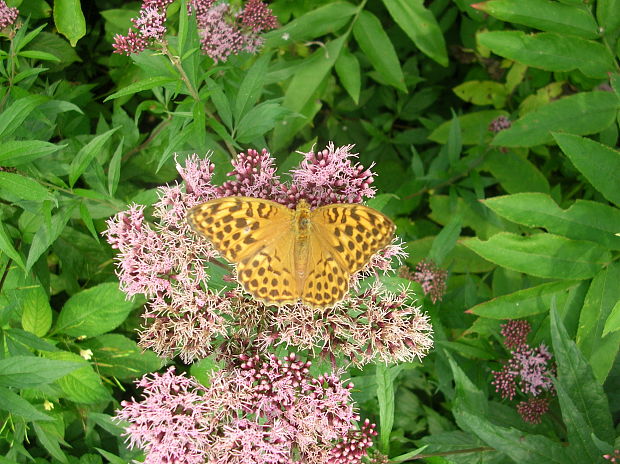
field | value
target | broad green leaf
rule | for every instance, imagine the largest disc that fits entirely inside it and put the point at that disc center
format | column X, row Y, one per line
column 49, row 437
column 86, row 154
column 15, row 404
column 94, row 311
column 144, row 84
column 612, row 324
column 318, row 22
column 526, row 302
column 385, row 394
column 583, row 113
column 69, row 20
column 348, row 70
column 420, row 26
column 7, row 247
column 251, row 87
column 118, row 356
column 259, row 120
column 445, row 241
column 551, row 51
column 83, row 385
column 35, row 309
column 17, row 152
column 482, row 93
column 608, row 17
column 544, row 15
column 13, row 116
column 32, row 371
column 474, row 127
column 543, row 255
column 579, row 382
column 38, row 55
column 24, row 188
column 377, row 46
column 602, row 296
column 584, row 220
column 599, row 163
column 461, row 259
column 515, row 172
column 57, row 46
column 45, row 235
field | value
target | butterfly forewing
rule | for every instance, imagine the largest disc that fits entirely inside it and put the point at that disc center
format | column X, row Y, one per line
column 353, row 233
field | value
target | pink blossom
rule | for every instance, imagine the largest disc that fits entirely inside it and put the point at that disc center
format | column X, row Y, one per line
column 515, row 333
column 257, row 17
column 533, row 409
column 150, row 23
column 613, row 457
column 430, row 277
column 499, row 124
column 8, row 15
column 130, row 43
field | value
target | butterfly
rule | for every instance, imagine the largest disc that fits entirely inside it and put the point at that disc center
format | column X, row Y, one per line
column 285, row 255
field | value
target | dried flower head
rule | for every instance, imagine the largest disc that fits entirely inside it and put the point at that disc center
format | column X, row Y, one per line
column 167, row 262
column 8, row 15
column 533, row 409
column 264, row 410
column 515, row 333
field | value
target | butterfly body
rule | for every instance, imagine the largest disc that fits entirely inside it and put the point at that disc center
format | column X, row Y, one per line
column 284, row 255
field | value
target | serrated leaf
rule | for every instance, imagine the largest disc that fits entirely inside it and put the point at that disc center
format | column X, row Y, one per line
column 420, row 26
column 82, row 385
column 377, row 46
column 599, row 163
column 32, row 371
column 526, row 302
column 35, row 309
column 94, row 311
column 584, row 220
column 582, row 114
column 23, row 187
column 580, row 384
column 17, row 152
column 69, row 20
column 144, row 84
column 86, row 154
column 543, row 255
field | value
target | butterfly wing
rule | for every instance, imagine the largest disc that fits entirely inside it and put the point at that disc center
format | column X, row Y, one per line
column 352, row 232
column 327, row 281
column 257, row 235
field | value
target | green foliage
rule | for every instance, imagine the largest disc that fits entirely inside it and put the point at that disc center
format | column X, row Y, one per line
column 525, row 218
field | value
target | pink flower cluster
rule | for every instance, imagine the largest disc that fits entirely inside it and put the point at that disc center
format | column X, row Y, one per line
column 613, row 457
column 431, row 277
column 223, row 31
column 168, row 263
column 264, row 410
column 8, row 15
column 530, row 370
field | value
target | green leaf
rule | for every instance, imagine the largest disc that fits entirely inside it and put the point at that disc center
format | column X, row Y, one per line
column 46, row 235
column 13, row 116
column 579, row 382
column 221, row 102
column 482, row 93
column 515, row 172
column 251, row 87
column 599, row 163
column 15, row 404
column 348, row 70
column 49, row 436
column 543, row 255
column 32, row 371
column 94, row 311
column 24, row 188
column 544, row 15
column 259, row 120
column 445, row 241
column 602, row 296
column 584, row 220
column 82, row 385
column 608, row 17
column 377, row 46
column 385, row 394
column 86, row 155
column 35, row 309
column 474, row 127
column 612, row 324
column 583, row 113
column 88, row 220
column 420, row 26
column 114, row 170
column 6, row 246
column 17, row 152
column 118, row 356
column 550, row 51
column 37, row 55
column 144, row 84
column 69, row 20
column 526, row 302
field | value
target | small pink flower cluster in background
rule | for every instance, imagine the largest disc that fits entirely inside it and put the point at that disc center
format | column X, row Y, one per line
column 499, row 124
column 223, row 31
column 430, row 276
column 167, row 262
column 529, row 369
column 615, row 457
column 264, row 410
column 8, row 15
